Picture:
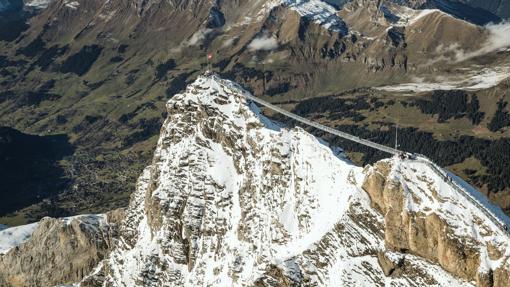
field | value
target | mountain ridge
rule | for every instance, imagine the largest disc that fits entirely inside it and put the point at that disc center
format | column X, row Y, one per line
column 234, row 198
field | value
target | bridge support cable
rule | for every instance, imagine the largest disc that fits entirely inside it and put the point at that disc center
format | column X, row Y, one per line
column 327, row 129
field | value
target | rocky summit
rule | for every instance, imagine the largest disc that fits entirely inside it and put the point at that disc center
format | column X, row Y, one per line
column 232, row 198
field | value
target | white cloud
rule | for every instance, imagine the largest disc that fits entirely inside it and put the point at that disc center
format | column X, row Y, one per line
column 194, row 40
column 228, row 43
column 263, row 43
column 499, row 38
column 198, row 37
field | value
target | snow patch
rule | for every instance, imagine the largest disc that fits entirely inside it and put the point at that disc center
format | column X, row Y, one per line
column 319, row 12
column 469, row 81
column 422, row 14
column 72, row 4
column 38, row 4
column 14, row 236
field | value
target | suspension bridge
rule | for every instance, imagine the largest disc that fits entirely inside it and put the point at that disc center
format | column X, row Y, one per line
column 321, row 127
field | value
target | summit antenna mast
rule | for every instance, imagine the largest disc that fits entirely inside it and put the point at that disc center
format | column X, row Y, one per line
column 396, row 136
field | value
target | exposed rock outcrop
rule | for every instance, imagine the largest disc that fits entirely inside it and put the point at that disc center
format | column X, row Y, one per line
column 59, row 251
column 427, row 233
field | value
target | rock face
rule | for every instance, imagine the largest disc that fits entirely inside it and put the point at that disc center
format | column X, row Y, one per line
column 58, row 251
column 233, row 199
column 424, row 218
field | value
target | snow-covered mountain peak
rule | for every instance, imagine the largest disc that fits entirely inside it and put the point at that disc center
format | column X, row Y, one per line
column 316, row 11
column 225, row 174
column 233, row 199
column 319, row 12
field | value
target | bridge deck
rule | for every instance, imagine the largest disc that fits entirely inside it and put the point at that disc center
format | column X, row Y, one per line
column 347, row 136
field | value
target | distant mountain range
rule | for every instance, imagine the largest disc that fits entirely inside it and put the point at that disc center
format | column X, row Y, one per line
column 478, row 11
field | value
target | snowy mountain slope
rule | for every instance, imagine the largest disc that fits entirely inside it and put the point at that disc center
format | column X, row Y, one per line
column 233, row 199
column 427, row 192
column 223, row 193
column 434, row 214
column 12, row 237
column 319, row 12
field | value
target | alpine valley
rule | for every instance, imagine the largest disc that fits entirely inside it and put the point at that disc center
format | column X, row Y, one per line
column 132, row 155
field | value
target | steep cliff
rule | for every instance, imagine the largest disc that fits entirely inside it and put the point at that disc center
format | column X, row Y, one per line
column 429, row 215
column 233, row 199
column 55, row 251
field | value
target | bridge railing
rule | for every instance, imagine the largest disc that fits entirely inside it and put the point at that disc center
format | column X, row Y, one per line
column 327, row 129
column 466, row 194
